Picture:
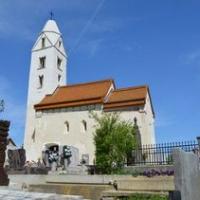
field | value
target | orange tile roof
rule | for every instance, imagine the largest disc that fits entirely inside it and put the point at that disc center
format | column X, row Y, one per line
column 95, row 93
column 76, row 95
column 118, row 105
column 126, row 97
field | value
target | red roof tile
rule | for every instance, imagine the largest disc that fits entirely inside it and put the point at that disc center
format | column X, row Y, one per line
column 76, row 95
column 95, row 93
column 126, row 97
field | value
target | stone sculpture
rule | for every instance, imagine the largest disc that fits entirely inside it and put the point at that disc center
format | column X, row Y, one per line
column 85, row 159
column 74, row 159
column 4, row 128
column 67, row 154
column 45, row 158
column 53, row 159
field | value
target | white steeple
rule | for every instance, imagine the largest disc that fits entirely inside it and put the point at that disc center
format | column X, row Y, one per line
column 47, row 72
column 51, row 26
column 51, row 36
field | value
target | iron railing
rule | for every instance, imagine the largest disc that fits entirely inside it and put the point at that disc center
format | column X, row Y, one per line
column 160, row 154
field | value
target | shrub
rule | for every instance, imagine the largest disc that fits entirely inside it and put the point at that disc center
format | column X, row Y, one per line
column 114, row 140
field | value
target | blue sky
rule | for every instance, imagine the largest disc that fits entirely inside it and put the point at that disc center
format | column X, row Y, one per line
column 135, row 42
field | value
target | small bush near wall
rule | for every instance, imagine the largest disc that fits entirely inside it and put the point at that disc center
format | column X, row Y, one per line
column 114, row 140
column 148, row 197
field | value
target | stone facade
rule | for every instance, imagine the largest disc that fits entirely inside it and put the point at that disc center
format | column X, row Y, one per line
column 4, row 127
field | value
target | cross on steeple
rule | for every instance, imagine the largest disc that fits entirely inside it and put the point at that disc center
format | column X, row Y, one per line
column 51, row 15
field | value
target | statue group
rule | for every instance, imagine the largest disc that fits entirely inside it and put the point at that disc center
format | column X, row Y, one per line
column 4, row 127
column 56, row 156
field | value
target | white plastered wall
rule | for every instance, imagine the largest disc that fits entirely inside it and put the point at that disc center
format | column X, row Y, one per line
column 51, row 128
column 50, row 74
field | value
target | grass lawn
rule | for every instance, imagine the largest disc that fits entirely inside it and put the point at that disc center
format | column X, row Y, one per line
column 148, row 197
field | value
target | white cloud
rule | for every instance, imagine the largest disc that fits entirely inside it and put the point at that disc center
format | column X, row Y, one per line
column 192, row 57
column 19, row 17
column 91, row 47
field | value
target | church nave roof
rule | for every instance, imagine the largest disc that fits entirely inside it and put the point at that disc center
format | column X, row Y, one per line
column 99, row 92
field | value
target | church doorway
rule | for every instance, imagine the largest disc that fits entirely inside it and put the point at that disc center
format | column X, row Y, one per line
column 52, row 147
column 50, row 153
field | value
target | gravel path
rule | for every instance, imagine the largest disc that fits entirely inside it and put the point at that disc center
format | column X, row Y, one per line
column 11, row 194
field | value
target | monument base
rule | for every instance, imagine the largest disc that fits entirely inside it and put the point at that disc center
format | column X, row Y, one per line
column 75, row 170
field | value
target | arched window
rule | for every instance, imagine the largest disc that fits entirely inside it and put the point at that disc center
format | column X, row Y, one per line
column 84, row 126
column 66, row 127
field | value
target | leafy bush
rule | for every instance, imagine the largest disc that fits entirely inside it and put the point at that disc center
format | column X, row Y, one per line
column 114, row 140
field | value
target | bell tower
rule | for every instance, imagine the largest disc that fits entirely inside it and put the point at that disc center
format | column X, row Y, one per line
column 47, row 72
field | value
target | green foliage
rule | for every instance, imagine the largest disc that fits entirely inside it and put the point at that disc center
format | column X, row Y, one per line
column 114, row 140
column 169, row 159
column 148, row 197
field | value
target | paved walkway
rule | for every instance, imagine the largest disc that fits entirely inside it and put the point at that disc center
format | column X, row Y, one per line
column 10, row 194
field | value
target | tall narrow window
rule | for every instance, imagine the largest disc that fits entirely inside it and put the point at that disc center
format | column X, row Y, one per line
column 41, row 79
column 42, row 62
column 43, row 42
column 66, row 127
column 59, row 62
column 59, row 77
column 33, row 136
column 84, row 126
column 59, row 44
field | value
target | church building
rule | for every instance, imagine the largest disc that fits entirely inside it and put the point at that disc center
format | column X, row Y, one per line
column 59, row 113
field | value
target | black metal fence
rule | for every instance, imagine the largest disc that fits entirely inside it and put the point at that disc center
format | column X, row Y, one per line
column 160, row 154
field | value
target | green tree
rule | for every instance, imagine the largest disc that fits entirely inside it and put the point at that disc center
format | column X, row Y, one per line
column 114, row 140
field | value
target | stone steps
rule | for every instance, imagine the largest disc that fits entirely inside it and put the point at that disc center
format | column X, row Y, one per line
column 156, row 184
column 93, row 192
